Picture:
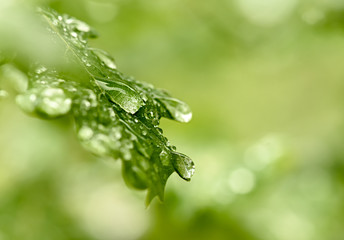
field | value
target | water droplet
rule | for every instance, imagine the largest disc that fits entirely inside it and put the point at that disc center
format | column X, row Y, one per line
column 144, row 96
column 92, row 98
column 165, row 158
column 183, row 165
column 81, row 26
column 74, row 34
column 27, row 102
column 125, row 149
column 127, row 144
column 179, row 110
column 115, row 133
column 107, row 59
column 85, row 133
column 85, row 104
column 126, row 155
column 53, row 102
column 122, row 94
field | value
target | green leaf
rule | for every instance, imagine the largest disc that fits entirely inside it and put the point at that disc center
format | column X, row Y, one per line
column 115, row 115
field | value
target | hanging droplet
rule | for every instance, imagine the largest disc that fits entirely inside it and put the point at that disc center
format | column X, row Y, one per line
column 107, row 59
column 183, row 165
column 179, row 110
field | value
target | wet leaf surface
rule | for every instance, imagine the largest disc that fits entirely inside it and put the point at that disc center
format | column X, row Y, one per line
column 115, row 116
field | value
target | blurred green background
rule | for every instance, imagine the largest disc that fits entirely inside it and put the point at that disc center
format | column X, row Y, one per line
column 265, row 80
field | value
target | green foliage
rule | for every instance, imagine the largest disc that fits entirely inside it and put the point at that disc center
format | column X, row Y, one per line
column 115, row 115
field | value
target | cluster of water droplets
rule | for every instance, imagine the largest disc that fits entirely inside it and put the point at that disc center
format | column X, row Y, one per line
column 45, row 96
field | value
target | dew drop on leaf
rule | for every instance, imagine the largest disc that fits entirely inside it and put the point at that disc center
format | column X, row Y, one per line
column 122, row 94
column 164, row 157
column 183, row 165
column 179, row 110
column 115, row 133
column 107, row 59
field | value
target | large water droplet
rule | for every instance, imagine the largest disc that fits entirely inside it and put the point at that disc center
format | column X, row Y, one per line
column 81, row 27
column 105, row 57
column 122, row 94
column 183, row 165
column 179, row 110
